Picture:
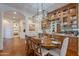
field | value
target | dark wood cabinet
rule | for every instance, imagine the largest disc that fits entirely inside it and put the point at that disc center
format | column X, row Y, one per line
column 73, row 47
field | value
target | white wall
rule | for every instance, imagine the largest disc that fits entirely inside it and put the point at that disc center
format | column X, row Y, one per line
column 37, row 27
column 1, row 35
column 32, row 33
column 7, row 29
column 22, row 27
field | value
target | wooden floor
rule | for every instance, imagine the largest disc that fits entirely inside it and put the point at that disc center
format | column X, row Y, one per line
column 14, row 47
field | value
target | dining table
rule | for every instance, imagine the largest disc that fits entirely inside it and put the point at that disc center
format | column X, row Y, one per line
column 48, row 43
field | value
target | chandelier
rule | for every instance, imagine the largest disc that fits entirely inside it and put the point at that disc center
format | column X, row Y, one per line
column 41, row 13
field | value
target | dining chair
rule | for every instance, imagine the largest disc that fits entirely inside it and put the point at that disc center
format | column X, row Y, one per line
column 63, row 50
column 44, row 50
column 28, row 47
column 33, row 47
column 36, row 47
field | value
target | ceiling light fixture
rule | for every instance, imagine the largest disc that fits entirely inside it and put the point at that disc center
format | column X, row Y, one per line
column 41, row 13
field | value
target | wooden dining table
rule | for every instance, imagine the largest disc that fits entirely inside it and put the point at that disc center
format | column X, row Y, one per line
column 48, row 43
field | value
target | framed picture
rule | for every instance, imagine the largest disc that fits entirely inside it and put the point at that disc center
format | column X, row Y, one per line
column 31, row 27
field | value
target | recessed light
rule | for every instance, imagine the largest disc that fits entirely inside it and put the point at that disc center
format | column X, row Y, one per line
column 14, row 12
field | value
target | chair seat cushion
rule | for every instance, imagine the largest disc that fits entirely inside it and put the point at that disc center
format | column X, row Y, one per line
column 54, row 52
column 44, row 51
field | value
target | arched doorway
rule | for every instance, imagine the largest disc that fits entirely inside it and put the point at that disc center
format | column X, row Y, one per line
column 13, row 24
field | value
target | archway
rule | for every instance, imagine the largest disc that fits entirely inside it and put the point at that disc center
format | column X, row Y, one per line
column 13, row 24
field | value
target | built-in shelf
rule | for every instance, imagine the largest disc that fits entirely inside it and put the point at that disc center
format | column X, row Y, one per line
column 66, row 18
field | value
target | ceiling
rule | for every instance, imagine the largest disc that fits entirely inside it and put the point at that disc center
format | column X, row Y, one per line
column 22, row 9
column 11, row 14
column 32, row 7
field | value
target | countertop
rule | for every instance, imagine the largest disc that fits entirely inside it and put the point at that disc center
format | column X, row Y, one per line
column 66, row 35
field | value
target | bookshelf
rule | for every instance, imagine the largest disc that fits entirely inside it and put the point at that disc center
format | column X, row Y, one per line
column 66, row 18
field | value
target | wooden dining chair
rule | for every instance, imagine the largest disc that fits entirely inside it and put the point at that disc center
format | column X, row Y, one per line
column 28, row 47
column 63, row 51
column 36, row 47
